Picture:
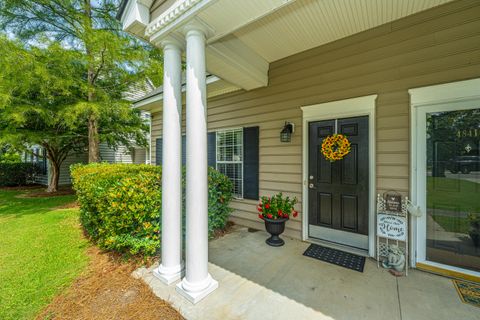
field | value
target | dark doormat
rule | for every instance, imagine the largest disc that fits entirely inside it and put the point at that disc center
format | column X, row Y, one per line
column 469, row 292
column 337, row 257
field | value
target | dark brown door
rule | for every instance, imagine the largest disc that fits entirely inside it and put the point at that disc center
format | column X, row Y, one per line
column 338, row 191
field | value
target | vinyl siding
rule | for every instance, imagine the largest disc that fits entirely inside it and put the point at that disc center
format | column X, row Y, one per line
column 42, row 178
column 65, row 178
column 436, row 46
column 121, row 155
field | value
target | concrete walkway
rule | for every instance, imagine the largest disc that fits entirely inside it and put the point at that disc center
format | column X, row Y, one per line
column 261, row 282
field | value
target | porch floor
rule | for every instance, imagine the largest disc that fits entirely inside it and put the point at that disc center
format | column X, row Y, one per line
column 260, row 282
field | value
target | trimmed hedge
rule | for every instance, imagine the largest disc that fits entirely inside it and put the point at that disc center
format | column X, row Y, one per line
column 17, row 174
column 120, row 204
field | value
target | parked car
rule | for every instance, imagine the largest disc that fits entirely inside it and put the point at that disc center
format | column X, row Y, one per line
column 464, row 164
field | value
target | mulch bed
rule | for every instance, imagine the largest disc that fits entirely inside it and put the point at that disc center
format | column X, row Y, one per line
column 218, row 233
column 42, row 192
column 108, row 291
column 21, row 188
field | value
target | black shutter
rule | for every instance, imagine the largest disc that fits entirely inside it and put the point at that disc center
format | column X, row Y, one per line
column 158, row 152
column 250, row 162
column 212, row 149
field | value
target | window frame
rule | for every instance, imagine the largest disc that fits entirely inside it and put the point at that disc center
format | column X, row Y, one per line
column 241, row 161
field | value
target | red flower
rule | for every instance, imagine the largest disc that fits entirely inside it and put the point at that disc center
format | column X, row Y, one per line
column 280, row 212
column 269, row 216
column 295, row 214
column 267, row 206
column 259, row 209
column 260, row 216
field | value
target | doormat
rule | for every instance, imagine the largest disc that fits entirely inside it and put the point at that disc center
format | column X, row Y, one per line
column 337, row 257
column 469, row 292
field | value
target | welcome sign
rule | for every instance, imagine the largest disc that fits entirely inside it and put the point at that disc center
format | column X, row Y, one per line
column 392, row 227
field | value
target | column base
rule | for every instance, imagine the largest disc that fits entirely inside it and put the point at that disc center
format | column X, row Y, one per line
column 186, row 289
column 169, row 275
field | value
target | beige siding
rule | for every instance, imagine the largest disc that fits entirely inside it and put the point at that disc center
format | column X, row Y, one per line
column 437, row 46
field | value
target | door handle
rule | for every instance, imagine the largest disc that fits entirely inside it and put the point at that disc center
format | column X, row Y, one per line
column 311, row 186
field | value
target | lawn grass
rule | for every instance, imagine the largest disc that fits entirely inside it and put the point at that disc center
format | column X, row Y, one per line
column 41, row 252
column 453, row 194
column 453, row 224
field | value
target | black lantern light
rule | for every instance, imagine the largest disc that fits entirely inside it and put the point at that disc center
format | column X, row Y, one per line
column 286, row 133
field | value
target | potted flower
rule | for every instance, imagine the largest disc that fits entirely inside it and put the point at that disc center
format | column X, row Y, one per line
column 275, row 211
column 474, row 231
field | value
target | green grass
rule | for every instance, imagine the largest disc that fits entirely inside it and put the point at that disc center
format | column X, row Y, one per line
column 453, row 224
column 453, row 194
column 41, row 252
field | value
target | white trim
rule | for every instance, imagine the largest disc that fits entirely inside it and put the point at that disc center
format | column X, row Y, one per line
column 234, row 54
column 443, row 93
column 174, row 17
column 453, row 96
column 136, row 16
column 353, row 107
column 159, row 96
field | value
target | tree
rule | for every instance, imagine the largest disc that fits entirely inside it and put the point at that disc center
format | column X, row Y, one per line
column 9, row 155
column 113, row 60
column 41, row 103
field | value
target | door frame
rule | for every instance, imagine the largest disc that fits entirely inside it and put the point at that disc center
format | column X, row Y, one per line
column 444, row 97
column 354, row 107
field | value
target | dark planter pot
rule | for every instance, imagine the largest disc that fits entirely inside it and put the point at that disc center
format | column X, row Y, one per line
column 275, row 228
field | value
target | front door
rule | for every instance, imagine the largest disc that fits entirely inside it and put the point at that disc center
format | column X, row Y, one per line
column 339, row 191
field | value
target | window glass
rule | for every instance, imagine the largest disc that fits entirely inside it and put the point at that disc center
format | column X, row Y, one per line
column 453, row 188
column 230, row 157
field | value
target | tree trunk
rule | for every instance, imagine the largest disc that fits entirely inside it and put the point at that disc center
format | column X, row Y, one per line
column 93, row 140
column 54, row 177
column 93, row 137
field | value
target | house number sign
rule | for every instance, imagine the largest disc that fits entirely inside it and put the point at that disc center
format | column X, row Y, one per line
column 392, row 227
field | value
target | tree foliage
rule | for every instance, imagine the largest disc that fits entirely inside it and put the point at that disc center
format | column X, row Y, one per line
column 109, row 60
column 42, row 103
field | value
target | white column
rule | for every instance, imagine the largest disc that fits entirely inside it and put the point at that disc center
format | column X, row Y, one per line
column 197, row 283
column 171, row 267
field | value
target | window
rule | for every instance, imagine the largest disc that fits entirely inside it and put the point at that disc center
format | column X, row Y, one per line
column 230, row 157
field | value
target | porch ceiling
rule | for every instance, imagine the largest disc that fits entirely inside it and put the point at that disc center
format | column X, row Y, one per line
column 246, row 36
column 306, row 24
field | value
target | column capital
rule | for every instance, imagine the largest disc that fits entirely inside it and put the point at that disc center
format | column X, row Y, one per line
column 197, row 26
column 172, row 42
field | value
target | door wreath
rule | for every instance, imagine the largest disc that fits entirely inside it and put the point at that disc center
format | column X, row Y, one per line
column 335, row 147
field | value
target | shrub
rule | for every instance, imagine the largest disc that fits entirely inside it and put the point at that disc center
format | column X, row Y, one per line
column 219, row 195
column 121, row 204
column 17, row 174
column 10, row 157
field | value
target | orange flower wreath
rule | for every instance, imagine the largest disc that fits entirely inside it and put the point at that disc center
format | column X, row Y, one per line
column 335, row 147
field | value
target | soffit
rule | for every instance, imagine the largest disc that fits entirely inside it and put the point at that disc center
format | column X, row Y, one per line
column 305, row 24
